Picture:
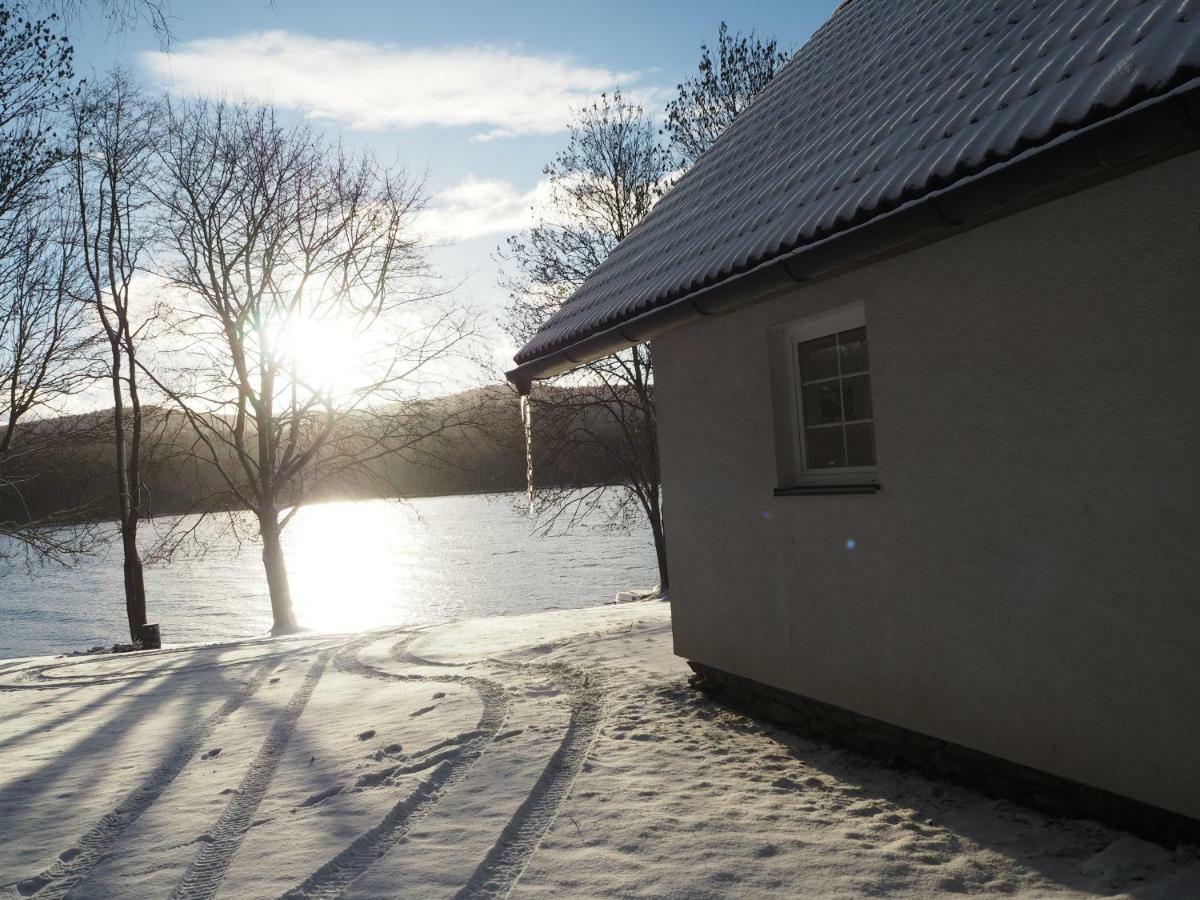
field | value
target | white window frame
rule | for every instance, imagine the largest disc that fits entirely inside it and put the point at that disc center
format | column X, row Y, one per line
column 794, row 474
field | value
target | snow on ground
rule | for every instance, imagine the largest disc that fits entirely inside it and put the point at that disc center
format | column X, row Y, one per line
column 554, row 755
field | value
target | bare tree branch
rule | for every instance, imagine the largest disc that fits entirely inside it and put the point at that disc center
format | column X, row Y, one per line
column 119, row 16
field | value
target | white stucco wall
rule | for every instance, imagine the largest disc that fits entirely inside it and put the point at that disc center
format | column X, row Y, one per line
column 1027, row 581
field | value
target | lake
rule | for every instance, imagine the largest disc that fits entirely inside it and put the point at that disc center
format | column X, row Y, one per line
column 353, row 565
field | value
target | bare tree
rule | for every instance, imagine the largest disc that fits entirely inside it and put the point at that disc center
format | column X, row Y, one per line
column 42, row 342
column 602, row 185
column 300, row 313
column 113, row 141
column 727, row 81
column 43, row 349
column 45, row 356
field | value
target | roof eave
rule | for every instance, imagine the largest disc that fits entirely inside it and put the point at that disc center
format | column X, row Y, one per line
column 1146, row 133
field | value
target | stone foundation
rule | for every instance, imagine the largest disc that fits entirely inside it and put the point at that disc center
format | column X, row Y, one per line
column 987, row 774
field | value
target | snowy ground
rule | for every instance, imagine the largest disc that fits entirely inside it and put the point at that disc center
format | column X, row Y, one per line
column 557, row 755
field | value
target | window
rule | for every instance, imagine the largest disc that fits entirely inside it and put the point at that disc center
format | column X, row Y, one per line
column 825, row 420
column 835, row 398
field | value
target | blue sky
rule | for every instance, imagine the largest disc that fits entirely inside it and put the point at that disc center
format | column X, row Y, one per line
column 474, row 95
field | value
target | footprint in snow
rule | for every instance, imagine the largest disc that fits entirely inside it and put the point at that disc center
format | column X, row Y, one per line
column 422, row 711
column 212, row 754
column 366, row 735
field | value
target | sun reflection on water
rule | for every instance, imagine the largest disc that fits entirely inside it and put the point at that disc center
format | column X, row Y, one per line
column 348, row 564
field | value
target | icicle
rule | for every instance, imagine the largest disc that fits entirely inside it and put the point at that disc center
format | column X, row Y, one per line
column 527, row 422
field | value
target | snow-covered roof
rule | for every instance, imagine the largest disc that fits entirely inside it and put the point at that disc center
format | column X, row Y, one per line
column 890, row 100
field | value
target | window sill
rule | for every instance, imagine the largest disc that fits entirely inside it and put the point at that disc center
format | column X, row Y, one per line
column 801, row 490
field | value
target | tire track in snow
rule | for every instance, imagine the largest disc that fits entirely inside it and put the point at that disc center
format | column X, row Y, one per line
column 76, row 863
column 211, row 862
column 332, row 879
column 499, row 871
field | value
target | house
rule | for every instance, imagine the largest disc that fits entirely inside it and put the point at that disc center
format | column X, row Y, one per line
column 926, row 326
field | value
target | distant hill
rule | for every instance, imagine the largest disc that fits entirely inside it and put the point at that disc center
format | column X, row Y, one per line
column 67, row 463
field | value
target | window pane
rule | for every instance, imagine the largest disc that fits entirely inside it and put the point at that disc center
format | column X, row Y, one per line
column 856, row 392
column 822, row 403
column 853, row 345
column 860, row 444
column 825, row 448
column 818, row 358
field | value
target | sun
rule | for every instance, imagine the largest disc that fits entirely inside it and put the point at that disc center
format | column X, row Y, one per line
column 369, row 537
column 330, row 357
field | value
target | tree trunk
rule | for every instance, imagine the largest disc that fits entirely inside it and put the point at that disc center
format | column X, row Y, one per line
column 135, row 586
column 653, row 507
column 660, row 551
column 277, row 578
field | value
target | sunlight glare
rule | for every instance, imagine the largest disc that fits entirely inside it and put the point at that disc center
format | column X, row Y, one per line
column 346, row 564
column 329, row 356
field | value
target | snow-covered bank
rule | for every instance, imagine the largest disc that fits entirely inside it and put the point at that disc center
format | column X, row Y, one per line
column 560, row 754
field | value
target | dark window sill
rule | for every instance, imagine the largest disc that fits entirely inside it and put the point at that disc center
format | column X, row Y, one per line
column 801, row 490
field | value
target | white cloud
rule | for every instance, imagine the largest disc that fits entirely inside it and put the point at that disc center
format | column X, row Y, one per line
column 479, row 207
column 375, row 86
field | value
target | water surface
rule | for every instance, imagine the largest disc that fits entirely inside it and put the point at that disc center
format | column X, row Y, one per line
column 353, row 566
